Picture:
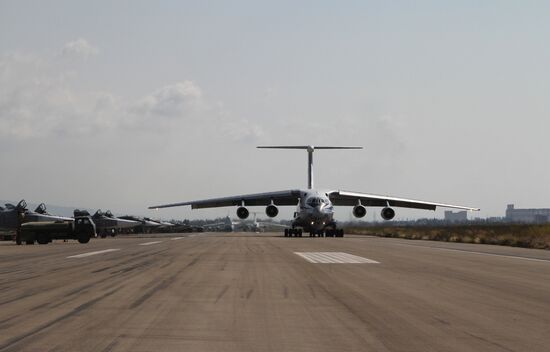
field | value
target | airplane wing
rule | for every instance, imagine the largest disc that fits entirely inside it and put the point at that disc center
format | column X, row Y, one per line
column 373, row 200
column 289, row 197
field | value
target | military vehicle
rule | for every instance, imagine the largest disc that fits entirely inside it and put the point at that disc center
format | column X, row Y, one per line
column 39, row 226
column 81, row 228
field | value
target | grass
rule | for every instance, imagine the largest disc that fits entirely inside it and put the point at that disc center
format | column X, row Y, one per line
column 527, row 236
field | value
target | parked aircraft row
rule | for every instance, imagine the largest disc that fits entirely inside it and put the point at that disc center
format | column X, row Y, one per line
column 314, row 208
column 15, row 218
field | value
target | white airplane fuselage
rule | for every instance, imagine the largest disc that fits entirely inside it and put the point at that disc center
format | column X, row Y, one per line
column 314, row 212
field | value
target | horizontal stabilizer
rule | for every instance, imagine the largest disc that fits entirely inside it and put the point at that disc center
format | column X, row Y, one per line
column 308, row 147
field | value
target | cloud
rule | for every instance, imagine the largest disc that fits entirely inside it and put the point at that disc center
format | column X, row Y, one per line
column 80, row 48
column 39, row 97
column 171, row 100
column 244, row 131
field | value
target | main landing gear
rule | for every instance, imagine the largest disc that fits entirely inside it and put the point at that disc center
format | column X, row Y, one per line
column 327, row 233
column 319, row 233
column 293, row 232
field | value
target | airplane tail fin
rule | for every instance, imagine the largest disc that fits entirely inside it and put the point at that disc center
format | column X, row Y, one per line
column 310, row 149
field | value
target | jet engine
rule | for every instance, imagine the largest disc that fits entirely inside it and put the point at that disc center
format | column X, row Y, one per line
column 359, row 211
column 271, row 211
column 387, row 213
column 242, row 213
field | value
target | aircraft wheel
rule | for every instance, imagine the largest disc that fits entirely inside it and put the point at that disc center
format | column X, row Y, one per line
column 29, row 242
column 42, row 238
column 286, row 232
column 83, row 238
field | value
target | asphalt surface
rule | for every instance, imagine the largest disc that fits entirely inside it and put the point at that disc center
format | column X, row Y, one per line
column 252, row 292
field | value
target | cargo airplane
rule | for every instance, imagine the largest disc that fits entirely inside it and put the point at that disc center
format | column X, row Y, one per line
column 315, row 208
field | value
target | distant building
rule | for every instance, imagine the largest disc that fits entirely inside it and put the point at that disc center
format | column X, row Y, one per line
column 459, row 216
column 527, row 215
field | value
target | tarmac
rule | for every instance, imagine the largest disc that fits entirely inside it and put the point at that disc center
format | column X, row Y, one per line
column 265, row 292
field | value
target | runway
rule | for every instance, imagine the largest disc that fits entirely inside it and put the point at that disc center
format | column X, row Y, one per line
column 265, row 292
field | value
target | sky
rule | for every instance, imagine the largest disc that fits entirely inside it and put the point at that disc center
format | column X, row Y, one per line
column 122, row 105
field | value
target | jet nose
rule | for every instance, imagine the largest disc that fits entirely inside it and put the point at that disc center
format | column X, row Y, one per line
column 318, row 211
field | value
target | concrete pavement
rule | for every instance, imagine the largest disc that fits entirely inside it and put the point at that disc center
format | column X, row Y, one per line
column 264, row 292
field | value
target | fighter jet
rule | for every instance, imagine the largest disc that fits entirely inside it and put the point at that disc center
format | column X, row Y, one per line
column 12, row 216
column 315, row 208
column 146, row 225
column 41, row 214
column 107, row 224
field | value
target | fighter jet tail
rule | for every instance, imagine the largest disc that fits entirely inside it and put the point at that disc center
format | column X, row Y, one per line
column 310, row 149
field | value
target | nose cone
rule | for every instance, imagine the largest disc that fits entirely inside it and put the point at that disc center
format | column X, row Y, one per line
column 318, row 210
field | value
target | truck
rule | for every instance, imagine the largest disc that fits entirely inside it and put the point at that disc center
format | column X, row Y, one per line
column 82, row 228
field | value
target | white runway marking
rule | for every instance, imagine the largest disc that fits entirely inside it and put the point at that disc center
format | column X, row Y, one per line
column 94, row 253
column 478, row 253
column 177, row 238
column 149, row 243
column 334, row 258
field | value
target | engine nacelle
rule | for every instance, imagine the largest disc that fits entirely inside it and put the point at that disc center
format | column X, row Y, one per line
column 359, row 211
column 387, row 213
column 271, row 211
column 242, row 213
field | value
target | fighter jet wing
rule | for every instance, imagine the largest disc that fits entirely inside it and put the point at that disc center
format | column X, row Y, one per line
column 289, row 197
column 373, row 200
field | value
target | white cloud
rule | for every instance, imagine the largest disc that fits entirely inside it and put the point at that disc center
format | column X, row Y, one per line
column 39, row 97
column 79, row 48
column 172, row 100
column 244, row 131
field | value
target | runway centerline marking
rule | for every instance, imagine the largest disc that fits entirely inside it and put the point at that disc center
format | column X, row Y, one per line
column 177, row 238
column 478, row 253
column 83, row 255
column 334, row 258
column 149, row 243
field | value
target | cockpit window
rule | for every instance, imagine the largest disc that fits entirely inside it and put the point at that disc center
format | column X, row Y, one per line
column 315, row 201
